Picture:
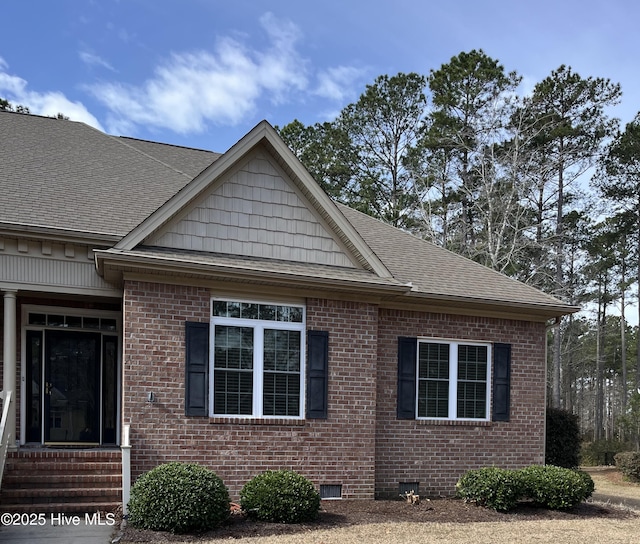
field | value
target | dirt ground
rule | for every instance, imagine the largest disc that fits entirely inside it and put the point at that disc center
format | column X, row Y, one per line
column 344, row 514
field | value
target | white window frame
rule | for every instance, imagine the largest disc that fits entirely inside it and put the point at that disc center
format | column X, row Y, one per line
column 258, row 326
column 453, row 378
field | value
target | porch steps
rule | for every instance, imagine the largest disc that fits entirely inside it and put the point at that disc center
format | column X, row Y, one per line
column 62, row 481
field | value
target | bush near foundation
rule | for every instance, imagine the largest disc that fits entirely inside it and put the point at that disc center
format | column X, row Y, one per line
column 629, row 464
column 179, row 498
column 492, row 487
column 549, row 486
column 556, row 487
column 280, row 496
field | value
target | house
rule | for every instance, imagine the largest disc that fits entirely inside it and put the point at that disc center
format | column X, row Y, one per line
column 222, row 309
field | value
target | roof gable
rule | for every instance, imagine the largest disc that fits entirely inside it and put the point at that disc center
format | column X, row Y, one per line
column 254, row 211
column 259, row 172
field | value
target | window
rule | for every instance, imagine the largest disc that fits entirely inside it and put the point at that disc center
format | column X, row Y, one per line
column 453, row 380
column 257, row 359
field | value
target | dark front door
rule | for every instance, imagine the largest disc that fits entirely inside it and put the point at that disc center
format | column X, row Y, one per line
column 72, row 406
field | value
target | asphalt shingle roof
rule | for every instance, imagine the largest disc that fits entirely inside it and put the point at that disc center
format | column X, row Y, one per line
column 67, row 175
column 433, row 270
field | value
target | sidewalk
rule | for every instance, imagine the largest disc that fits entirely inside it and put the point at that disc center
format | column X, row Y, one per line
column 59, row 530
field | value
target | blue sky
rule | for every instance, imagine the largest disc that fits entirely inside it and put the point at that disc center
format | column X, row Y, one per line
column 202, row 73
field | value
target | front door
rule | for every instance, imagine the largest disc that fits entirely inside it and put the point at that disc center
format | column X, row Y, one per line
column 72, row 387
column 72, row 382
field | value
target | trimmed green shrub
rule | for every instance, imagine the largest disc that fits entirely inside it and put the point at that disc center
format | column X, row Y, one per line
column 492, row 487
column 629, row 464
column 562, row 439
column 180, row 498
column 601, row 452
column 281, row 496
column 556, row 487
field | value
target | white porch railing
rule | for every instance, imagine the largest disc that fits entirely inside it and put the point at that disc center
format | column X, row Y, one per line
column 125, row 447
column 4, row 440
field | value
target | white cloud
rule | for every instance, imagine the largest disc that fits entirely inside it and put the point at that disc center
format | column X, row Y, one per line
column 189, row 90
column 92, row 59
column 14, row 89
column 340, row 83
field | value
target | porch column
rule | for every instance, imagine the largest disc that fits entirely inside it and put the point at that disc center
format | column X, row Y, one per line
column 9, row 361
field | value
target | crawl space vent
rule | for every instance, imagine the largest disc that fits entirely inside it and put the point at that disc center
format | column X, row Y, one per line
column 331, row 491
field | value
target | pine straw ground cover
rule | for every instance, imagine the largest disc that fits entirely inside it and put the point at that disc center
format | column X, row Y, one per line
column 442, row 520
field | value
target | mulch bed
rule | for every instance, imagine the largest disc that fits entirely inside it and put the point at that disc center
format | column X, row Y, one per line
column 345, row 513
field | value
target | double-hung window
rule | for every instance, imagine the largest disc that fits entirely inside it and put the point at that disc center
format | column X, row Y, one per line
column 453, row 380
column 257, row 359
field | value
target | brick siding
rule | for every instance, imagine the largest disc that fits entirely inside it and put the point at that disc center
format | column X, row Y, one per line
column 437, row 454
column 340, row 450
column 362, row 445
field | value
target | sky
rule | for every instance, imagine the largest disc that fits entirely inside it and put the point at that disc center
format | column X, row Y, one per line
column 202, row 73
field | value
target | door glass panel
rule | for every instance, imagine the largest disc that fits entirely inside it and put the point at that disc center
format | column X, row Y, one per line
column 34, row 386
column 72, row 387
column 109, row 389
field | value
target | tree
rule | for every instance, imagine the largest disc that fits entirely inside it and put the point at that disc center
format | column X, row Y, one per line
column 382, row 127
column 5, row 105
column 472, row 98
column 327, row 154
column 618, row 180
column 569, row 120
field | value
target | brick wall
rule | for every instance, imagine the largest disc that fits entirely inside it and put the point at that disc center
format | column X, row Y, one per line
column 436, row 455
column 340, row 450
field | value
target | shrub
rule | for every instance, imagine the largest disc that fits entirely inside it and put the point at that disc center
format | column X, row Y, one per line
column 492, row 487
column 556, row 487
column 280, row 496
column 179, row 498
column 601, row 452
column 562, row 439
column 629, row 464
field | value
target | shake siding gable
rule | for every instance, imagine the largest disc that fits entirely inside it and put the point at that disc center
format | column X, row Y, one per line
column 255, row 212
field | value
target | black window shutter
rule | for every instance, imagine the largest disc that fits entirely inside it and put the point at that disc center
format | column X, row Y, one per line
column 501, row 381
column 407, row 360
column 317, row 374
column 196, row 400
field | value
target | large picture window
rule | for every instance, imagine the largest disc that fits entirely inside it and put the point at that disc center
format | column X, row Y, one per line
column 453, row 380
column 257, row 359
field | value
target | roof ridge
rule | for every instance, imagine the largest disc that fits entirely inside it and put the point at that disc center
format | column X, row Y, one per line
column 169, row 144
column 120, row 139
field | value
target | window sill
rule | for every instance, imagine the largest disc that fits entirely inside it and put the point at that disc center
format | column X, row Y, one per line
column 453, row 422
column 222, row 420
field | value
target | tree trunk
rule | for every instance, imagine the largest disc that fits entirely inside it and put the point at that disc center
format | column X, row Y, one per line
column 557, row 340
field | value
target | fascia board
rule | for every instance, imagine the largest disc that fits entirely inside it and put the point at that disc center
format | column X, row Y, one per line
column 453, row 303
column 24, row 230
column 113, row 259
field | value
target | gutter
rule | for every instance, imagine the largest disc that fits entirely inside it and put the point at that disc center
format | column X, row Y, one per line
column 121, row 261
